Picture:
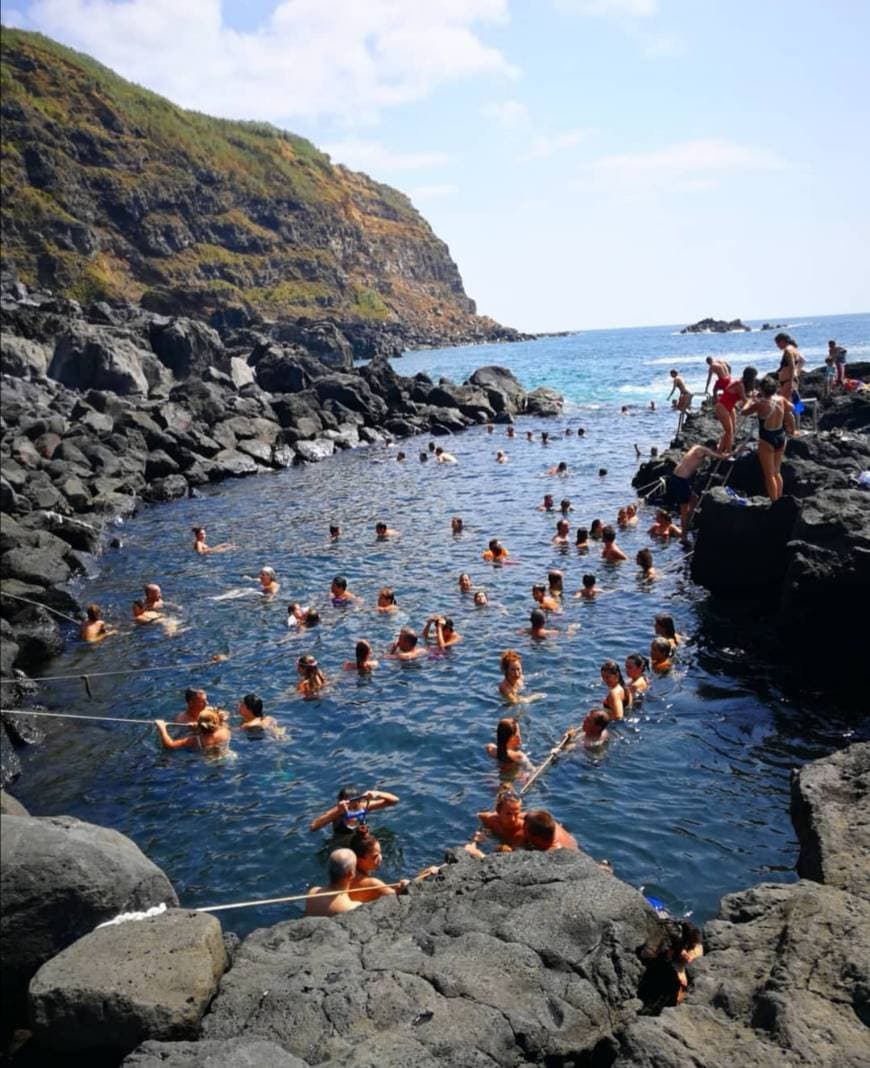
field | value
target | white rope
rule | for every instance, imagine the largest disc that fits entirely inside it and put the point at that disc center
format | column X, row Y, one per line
column 73, row 715
column 218, row 658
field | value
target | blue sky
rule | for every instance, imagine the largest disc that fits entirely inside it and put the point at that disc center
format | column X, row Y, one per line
column 590, row 163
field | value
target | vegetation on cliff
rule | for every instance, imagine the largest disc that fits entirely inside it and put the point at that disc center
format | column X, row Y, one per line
column 112, row 191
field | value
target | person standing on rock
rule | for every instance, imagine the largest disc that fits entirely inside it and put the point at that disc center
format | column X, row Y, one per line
column 684, row 401
column 775, row 420
column 721, row 370
column 838, row 354
column 341, row 870
column 734, row 392
column 789, row 367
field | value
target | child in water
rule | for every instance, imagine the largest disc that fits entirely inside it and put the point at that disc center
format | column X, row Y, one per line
column 660, row 656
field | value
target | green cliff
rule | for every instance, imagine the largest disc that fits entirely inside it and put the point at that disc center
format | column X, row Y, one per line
column 110, row 191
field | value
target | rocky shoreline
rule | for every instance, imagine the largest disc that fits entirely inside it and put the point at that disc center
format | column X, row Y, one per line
column 520, row 959
column 777, row 570
column 109, row 405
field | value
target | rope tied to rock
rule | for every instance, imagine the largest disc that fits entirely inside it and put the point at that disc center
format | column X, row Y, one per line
column 75, row 715
column 39, row 604
column 217, row 658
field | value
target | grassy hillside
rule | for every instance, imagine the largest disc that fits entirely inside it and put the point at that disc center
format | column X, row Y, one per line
column 111, row 190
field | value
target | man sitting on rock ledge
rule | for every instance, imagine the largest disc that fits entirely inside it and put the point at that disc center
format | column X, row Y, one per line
column 341, row 870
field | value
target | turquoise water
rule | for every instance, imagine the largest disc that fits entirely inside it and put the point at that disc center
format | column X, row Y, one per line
column 690, row 798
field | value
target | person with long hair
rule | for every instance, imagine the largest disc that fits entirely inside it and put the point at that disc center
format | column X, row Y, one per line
column 363, row 661
column 209, row 732
column 666, row 628
column 791, row 362
column 775, row 420
column 737, row 391
column 635, row 668
column 254, row 723
column 387, row 600
column 506, row 821
column 365, row 885
column 644, row 561
column 507, row 748
column 311, row 678
column 512, row 683
column 618, row 697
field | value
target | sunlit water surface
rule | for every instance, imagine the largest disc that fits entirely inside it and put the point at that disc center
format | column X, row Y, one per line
column 689, row 799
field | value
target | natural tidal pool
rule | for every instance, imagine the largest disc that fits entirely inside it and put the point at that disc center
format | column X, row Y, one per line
column 689, row 799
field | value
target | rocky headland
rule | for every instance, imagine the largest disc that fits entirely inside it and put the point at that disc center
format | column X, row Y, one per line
column 716, row 326
column 780, row 569
column 518, row 960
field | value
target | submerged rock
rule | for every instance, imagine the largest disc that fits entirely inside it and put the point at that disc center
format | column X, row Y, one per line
column 122, row 984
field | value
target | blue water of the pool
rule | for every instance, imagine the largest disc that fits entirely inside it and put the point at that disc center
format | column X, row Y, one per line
column 690, row 797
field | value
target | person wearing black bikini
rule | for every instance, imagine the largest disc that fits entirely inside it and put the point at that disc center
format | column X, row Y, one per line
column 775, row 420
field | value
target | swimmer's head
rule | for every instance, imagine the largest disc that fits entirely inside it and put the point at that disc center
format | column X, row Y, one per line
column 480, row 598
column 152, row 591
column 602, row 471
column 565, row 505
column 362, row 652
column 447, row 625
column 432, row 447
column 251, row 706
column 199, row 533
column 293, row 608
column 595, row 722
column 381, row 529
column 608, row 535
column 456, row 525
column 508, row 804
column 507, row 736
column 653, row 451
column 544, row 436
column 386, row 596
column 588, row 582
column 138, row 608
column 307, row 666
column 407, row 639
column 582, row 535
column 645, row 559
column 312, row 618
column 538, row 591
column 562, row 468
column 611, row 672
column 400, row 456
column 424, row 456
column 268, row 573
column 341, row 867
column 334, row 531
column 94, row 613
column 663, row 517
column 339, row 584
column 555, row 581
column 196, row 700
column 659, row 650
column 537, row 619
column 511, row 664
column 465, row 582
column 595, row 528
column 635, row 665
column 540, row 830
column 548, row 500
column 438, row 451
column 208, row 722
column 665, row 627
column 562, row 527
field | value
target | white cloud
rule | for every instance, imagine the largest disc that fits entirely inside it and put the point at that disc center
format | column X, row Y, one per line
column 309, row 58
column 636, row 8
column 506, row 113
column 545, row 145
column 13, row 18
column 433, row 192
column 684, row 167
column 372, row 156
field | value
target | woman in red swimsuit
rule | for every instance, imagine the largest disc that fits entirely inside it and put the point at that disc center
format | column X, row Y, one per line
column 736, row 390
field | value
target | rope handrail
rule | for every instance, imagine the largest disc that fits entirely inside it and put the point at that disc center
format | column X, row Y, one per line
column 95, row 719
column 218, row 658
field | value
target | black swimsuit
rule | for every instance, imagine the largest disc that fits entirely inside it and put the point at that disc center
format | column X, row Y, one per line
column 774, row 438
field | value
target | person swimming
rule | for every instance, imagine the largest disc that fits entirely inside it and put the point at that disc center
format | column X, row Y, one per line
column 456, row 525
column 547, row 602
column 664, row 526
column 563, row 533
column 268, row 581
column 153, row 597
column 513, row 682
column 333, row 898
column 644, row 560
column 340, row 594
column 387, row 600
column 254, row 723
column 565, row 506
column 555, row 582
column 406, row 646
column 334, row 532
column 507, row 748
column 549, row 503
column 635, row 668
column 610, row 551
column 365, row 886
column 618, row 697
column 589, row 591
column 560, row 469
column 660, row 651
column 496, row 552
column 384, row 533
column 363, row 661
column 93, row 628
column 665, row 628
column 581, row 542
column 507, row 821
column 209, row 733
column 200, row 546
column 594, row 728
column 445, row 633
column 501, row 457
column 595, row 529
column 480, row 599
column 311, row 678
column 538, row 626
column 465, row 583
column 352, row 809
column 444, row 457
column 296, row 614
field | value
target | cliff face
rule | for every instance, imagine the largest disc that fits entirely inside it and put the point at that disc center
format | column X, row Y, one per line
column 111, row 191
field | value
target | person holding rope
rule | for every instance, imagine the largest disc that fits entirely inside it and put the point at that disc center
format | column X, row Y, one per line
column 209, row 733
column 350, row 811
column 506, row 822
column 341, row 869
column 594, row 728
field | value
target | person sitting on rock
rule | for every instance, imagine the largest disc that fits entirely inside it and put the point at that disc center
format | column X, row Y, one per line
column 406, row 646
column 595, row 728
column 311, row 678
column 153, row 597
column 383, row 532
column 445, row 633
column 341, row 870
column 268, row 581
column 660, row 656
column 340, row 594
column 540, row 595
column 664, row 527
column 542, row 833
column 93, row 628
column 644, row 560
column 444, row 457
column 363, row 661
column 200, row 546
column 666, row 628
column 664, row 983
column 496, row 552
column 610, row 551
column 507, row 748
column 209, row 732
column 254, row 723
column 352, row 809
column 387, row 600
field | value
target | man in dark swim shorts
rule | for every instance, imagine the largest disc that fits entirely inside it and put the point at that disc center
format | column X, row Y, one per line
column 680, row 489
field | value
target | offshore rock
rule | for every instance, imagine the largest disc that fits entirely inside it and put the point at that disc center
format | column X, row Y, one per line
column 830, row 809
column 60, row 878
column 716, row 326
column 520, row 958
column 119, row 985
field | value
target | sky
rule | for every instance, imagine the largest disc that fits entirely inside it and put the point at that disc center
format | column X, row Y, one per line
column 590, row 163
